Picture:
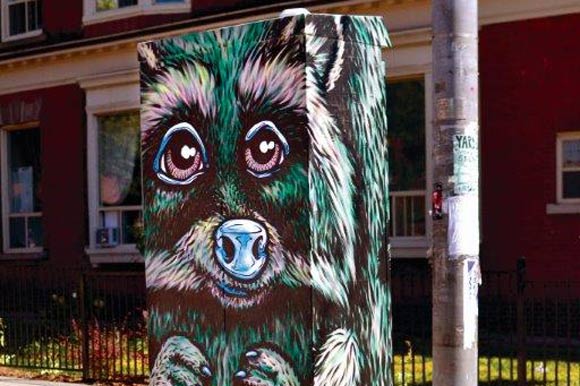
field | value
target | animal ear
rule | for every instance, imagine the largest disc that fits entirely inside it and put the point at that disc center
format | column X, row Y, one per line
column 325, row 49
column 288, row 27
column 148, row 56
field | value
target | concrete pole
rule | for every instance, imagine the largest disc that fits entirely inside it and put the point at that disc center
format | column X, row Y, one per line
column 455, row 248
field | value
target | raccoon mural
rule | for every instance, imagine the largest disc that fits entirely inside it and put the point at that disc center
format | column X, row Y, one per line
column 265, row 183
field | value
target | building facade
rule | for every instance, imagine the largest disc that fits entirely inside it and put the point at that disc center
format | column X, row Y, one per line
column 69, row 125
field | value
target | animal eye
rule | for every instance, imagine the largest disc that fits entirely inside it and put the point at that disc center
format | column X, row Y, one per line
column 266, row 149
column 181, row 158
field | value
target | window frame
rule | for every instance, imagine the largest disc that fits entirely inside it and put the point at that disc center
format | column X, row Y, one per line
column 107, row 94
column 143, row 7
column 6, row 37
column 4, row 170
column 119, row 209
column 560, row 138
column 415, row 246
column 95, row 207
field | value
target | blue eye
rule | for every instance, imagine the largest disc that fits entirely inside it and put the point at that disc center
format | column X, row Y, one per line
column 181, row 157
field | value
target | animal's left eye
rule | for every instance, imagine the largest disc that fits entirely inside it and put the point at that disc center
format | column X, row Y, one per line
column 266, row 149
column 181, row 158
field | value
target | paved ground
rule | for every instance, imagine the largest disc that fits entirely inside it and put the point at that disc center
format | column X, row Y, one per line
column 7, row 381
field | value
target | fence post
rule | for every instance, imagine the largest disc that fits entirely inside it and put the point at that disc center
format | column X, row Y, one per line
column 521, row 320
column 85, row 329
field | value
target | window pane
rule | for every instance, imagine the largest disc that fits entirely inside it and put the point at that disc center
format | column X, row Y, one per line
column 17, row 232
column 33, row 15
column 571, row 185
column 39, row 14
column 399, row 216
column 17, row 14
column 131, row 218
column 110, row 219
column 406, row 115
column 24, row 171
column 571, row 153
column 34, row 232
column 391, row 231
column 418, row 215
column 104, row 5
column 119, row 160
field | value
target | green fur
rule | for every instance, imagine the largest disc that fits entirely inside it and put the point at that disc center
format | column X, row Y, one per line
column 325, row 209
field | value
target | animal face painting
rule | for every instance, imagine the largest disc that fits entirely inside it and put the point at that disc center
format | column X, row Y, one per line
column 265, row 182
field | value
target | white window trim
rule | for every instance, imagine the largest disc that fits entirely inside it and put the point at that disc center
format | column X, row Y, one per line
column 123, row 253
column 143, row 7
column 6, row 194
column 6, row 37
column 98, row 106
column 563, row 205
column 417, row 246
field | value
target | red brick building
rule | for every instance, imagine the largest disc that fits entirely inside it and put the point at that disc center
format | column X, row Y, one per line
column 69, row 99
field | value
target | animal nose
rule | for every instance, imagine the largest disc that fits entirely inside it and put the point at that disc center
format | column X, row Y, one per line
column 241, row 248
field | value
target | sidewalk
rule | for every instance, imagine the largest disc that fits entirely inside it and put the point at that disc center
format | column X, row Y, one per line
column 8, row 381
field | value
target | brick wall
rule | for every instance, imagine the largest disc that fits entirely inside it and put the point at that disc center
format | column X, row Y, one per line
column 530, row 90
column 63, row 155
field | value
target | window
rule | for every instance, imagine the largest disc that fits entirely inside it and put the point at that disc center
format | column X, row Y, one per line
column 97, row 11
column 568, row 167
column 113, row 167
column 105, row 5
column 119, row 176
column 407, row 163
column 21, row 19
column 21, row 195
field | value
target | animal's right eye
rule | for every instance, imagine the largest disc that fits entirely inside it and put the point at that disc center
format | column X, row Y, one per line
column 181, row 157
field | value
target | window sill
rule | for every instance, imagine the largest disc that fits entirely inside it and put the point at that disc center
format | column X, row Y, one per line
column 563, row 208
column 132, row 11
column 24, row 255
column 118, row 255
column 22, row 36
column 409, row 247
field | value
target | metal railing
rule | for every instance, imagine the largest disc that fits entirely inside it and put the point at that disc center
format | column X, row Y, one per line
column 407, row 213
column 93, row 324
column 66, row 320
column 529, row 331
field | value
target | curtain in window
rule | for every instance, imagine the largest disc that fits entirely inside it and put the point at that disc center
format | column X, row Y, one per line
column 24, row 166
column 119, row 160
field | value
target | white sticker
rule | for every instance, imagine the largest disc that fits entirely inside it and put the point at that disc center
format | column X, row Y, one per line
column 463, row 225
column 465, row 161
column 471, row 281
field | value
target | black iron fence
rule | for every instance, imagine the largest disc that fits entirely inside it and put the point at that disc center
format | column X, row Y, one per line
column 66, row 320
column 529, row 332
column 94, row 324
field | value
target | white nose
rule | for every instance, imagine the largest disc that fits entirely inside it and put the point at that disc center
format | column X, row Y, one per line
column 241, row 248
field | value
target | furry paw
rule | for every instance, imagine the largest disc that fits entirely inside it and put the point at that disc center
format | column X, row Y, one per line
column 180, row 362
column 265, row 367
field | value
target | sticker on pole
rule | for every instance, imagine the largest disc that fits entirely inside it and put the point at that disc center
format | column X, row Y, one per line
column 463, row 226
column 471, row 282
column 465, row 161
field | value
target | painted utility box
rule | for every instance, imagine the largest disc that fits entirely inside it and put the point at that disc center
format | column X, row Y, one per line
column 266, row 204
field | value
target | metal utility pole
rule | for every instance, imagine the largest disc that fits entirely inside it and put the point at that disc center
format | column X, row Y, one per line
column 455, row 250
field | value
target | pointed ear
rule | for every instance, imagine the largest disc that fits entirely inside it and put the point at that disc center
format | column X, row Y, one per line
column 326, row 51
column 147, row 56
column 289, row 27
